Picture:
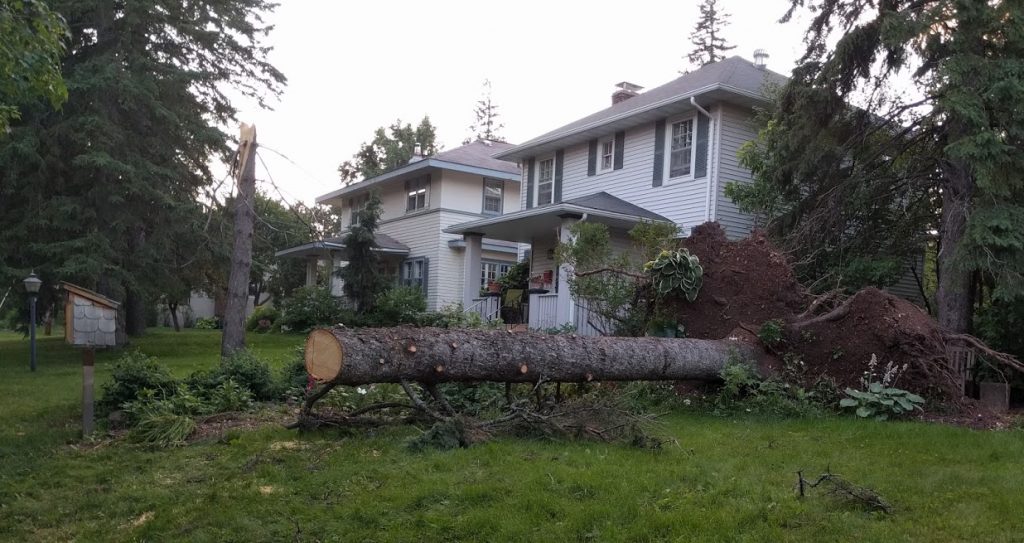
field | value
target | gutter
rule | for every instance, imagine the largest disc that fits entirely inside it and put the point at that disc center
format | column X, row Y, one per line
column 711, row 140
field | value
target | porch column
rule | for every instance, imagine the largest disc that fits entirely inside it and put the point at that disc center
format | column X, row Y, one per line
column 311, row 265
column 566, row 310
column 471, row 268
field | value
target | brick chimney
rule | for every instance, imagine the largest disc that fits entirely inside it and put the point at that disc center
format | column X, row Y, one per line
column 626, row 91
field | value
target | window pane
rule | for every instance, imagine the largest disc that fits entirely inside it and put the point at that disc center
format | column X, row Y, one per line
column 682, row 146
column 545, row 178
column 493, row 196
column 544, row 194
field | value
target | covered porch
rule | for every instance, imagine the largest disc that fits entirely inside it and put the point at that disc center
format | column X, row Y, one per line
column 550, row 304
column 331, row 254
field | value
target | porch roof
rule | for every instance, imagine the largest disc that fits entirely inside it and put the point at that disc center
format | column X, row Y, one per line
column 525, row 225
column 385, row 244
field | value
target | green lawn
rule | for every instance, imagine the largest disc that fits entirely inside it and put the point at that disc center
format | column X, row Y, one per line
column 730, row 480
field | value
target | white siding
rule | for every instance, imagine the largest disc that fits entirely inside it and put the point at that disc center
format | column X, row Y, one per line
column 682, row 202
column 421, row 233
column 736, row 129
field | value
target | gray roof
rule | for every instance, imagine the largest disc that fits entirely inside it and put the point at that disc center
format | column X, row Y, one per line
column 384, row 241
column 734, row 75
column 475, row 158
column 480, row 153
column 602, row 201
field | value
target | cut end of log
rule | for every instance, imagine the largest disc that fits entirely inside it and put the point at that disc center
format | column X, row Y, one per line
column 590, row 377
column 324, row 355
column 523, row 369
column 439, row 368
column 411, row 348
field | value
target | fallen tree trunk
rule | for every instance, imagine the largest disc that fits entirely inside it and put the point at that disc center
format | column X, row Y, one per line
column 342, row 356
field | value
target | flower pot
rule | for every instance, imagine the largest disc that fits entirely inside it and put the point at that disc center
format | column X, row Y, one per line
column 995, row 396
column 493, row 287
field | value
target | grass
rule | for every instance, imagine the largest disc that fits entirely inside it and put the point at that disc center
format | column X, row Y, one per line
column 729, row 480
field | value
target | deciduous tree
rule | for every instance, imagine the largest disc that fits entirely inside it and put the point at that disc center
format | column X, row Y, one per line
column 390, row 148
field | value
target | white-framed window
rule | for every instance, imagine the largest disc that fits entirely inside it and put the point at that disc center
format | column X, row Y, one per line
column 355, row 206
column 492, row 271
column 414, row 273
column 680, row 152
column 494, row 196
column 417, row 194
column 545, row 180
column 606, row 155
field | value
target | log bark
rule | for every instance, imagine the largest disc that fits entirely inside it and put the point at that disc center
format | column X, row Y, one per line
column 342, row 356
column 233, row 338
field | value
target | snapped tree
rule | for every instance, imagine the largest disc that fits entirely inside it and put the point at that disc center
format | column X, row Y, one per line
column 954, row 144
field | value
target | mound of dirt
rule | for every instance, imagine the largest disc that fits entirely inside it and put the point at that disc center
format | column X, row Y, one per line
column 745, row 281
column 748, row 282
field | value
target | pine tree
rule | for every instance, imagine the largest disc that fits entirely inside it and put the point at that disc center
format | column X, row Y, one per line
column 707, row 40
column 390, row 148
column 486, row 125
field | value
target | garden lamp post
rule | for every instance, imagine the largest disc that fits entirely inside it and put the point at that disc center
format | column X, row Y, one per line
column 32, row 284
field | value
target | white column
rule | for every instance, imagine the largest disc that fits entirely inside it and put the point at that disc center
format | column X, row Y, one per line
column 566, row 309
column 471, row 268
column 311, row 264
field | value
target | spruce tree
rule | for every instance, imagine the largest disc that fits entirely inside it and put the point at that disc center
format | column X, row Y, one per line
column 362, row 281
column 957, row 147
column 95, row 194
column 707, row 40
column 486, row 125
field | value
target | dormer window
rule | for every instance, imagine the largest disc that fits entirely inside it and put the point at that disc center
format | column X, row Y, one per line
column 545, row 180
column 606, row 158
column 417, row 193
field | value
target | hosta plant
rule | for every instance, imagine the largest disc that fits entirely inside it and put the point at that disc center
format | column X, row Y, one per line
column 676, row 271
column 879, row 398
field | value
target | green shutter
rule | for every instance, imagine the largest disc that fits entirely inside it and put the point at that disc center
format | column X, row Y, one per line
column 559, row 159
column 700, row 166
column 620, row 148
column 529, row 183
column 659, row 153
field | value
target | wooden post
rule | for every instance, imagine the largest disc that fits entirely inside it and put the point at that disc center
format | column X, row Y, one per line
column 88, row 363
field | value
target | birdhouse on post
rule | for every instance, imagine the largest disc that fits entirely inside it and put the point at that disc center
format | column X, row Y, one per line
column 90, row 322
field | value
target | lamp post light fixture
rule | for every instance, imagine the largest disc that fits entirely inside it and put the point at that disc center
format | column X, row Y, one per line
column 32, row 284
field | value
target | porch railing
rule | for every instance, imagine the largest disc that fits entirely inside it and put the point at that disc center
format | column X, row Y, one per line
column 488, row 307
column 543, row 311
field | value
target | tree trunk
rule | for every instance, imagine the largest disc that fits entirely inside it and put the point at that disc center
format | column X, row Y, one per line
column 134, row 313
column 241, row 255
column 172, row 308
column 343, row 356
column 953, row 297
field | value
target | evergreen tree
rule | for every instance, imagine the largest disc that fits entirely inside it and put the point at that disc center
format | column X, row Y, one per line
column 390, row 148
column 486, row 125
column 958, row 145
column 96, row 194
column 707, row 40
column 362, row 281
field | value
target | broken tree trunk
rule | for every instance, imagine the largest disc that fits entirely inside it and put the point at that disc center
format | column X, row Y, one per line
column 343, row 356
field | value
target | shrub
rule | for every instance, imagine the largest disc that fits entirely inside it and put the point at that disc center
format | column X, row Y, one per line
column 162, row 430
column 133, row 373
column 743, row 391
column 245, row 370
column 207, row 323
column 879, row 398
column 453, row 316
column 230, row 396
column 399, row 305
column 309, row 307
column 262, row 319
column 770, row 332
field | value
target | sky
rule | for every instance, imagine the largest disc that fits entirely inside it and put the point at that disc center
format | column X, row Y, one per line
column 355, row 66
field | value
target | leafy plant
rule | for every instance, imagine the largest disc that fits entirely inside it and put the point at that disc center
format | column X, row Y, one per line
column 229, row 396
column 207, row 323
column 770, row 332
column 879, row 398
column 309, row 307
column 262, row 319
column 132, row 374
column 676, row 271
column 162, row 430
column 743, row 391
column 399, row 305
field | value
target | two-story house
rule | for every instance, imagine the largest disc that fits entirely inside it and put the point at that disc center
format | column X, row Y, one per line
column 419, row 201
column 661, row 155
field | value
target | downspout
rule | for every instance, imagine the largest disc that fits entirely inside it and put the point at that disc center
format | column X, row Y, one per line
column 711, row 131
